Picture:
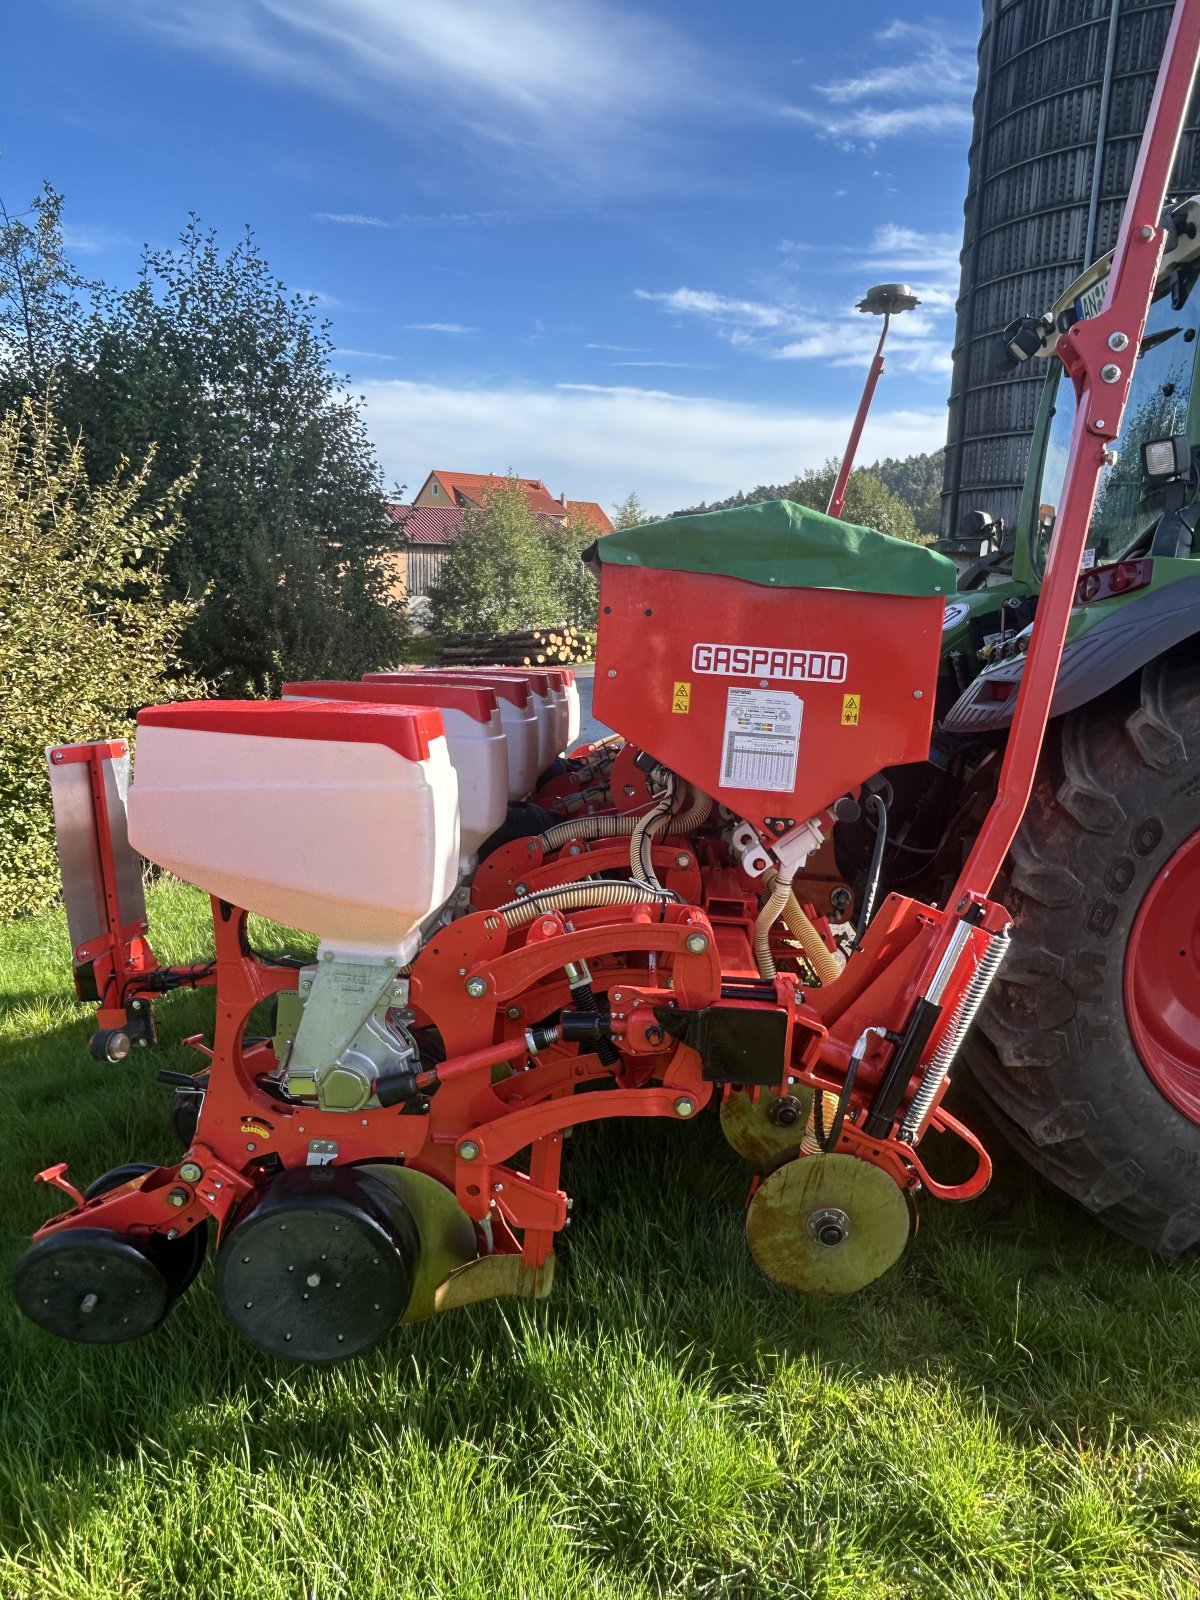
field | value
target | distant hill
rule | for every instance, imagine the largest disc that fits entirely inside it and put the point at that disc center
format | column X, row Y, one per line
column 899, row 495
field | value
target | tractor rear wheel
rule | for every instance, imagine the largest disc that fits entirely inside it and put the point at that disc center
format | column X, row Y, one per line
column 1091, row 1034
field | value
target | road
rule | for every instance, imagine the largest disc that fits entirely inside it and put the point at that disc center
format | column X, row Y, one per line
column 589, row 728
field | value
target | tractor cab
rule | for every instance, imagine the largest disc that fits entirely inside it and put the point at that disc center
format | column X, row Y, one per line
column 1141, row 541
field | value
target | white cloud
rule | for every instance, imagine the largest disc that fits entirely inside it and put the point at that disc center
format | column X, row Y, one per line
column 829, row 329
column 580, row 92
column 91, row 239
column 425, row 219
column 694, row 366
column 438, row 327
column 626, row 349
column 922, row 91
column 366, row 355
column 597, row 442
column 720, row 308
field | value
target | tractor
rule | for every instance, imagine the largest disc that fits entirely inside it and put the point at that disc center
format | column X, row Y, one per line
column 764, row 895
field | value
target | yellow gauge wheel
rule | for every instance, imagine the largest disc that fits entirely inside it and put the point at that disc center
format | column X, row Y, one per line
column 760, row 1128
column 828, row 1224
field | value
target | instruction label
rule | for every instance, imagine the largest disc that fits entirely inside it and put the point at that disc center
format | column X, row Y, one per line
column 681, row 698
column 762, row 740
column 851, row 706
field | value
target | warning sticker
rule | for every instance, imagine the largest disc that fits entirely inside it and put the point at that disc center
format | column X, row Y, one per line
column 762, row 740
column 681, row 698
column 851, row 706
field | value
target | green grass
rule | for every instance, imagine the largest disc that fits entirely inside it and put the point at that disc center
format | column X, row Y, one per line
column 1013, row 1411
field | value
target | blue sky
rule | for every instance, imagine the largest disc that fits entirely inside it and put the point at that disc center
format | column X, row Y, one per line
column 616, row 247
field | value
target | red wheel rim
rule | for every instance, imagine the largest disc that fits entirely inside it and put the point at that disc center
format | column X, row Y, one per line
column 1162, row 980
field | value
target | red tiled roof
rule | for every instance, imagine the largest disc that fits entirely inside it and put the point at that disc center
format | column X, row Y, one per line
column 427, row 524
column 475, row 487
column 593, row 515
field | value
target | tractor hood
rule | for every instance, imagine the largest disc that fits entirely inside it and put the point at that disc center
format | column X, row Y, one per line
column 782, row 544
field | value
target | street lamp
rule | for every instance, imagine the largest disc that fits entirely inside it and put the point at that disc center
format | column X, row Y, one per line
column 885, row 300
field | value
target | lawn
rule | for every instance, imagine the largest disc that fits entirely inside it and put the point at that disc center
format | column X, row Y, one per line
column 1013, row 1411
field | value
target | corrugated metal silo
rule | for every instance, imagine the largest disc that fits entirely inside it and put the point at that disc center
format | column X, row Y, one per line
column 1064, row 87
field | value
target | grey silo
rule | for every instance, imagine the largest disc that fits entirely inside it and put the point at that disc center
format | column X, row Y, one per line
column 1064, row 88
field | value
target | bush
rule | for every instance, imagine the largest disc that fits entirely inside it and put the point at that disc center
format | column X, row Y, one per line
column 509, row 568
column 86, row 635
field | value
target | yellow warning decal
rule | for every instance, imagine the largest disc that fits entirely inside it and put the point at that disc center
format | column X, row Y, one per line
column 681, row 698
column 851, row 705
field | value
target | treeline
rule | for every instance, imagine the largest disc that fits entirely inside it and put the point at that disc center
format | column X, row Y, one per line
column 189, row 503
column 899, row 495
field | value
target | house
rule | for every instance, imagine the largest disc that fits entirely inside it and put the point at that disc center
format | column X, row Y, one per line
column 430, row 524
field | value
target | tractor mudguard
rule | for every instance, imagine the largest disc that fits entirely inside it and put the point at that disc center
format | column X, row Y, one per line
column 1092, row 665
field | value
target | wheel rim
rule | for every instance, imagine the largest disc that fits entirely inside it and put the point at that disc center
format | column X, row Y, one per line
column 1162, row 980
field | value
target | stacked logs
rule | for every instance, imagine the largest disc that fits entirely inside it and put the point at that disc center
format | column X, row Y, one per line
column 558, row 645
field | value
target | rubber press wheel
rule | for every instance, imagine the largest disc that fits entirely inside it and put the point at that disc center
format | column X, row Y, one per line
column 1089, row 1043
column 179, row 1260
column 91, row 1286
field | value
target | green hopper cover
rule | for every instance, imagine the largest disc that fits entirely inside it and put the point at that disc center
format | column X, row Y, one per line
column 785, row 545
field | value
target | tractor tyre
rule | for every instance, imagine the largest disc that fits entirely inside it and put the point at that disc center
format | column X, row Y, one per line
column 1089, row 1043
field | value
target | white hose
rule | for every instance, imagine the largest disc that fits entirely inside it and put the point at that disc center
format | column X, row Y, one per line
column 580, row 897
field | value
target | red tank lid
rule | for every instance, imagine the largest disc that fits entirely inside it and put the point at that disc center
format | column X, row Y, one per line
column 405, row 729
column 515, row 690
column 476, row 702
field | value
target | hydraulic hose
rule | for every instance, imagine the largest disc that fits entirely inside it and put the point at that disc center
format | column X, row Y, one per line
column 879, row 807
column 581, row 896
column 614, row 827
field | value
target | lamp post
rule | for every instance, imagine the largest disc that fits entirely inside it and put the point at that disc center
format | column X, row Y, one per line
column 885, row 300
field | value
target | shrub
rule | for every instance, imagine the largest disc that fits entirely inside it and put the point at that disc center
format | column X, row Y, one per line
column 86, row 636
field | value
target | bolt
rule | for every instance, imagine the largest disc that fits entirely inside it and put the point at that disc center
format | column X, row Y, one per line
column 684, row 1107
column 618, row 997
column 498, row 1188
column 172, row 1233
column 629, row 788
column 521, row 889
column 58, row 755
column 549, row 928
column 1099, row 422
column 191, row 1172
column 655, row 1035
column 89, row 1303
column 252, row 1147
column 681, row 860
column 784, row 1111
column 531, row 845
column 1118, row 341
column 477, row 988
column 1145, row 233
column 468, row 1150
column 178, row 1197
column 575, row 850
column 697, row 943
column 1110, row 372
column 513, row 1013
column 313, row 1280
column 918, row 694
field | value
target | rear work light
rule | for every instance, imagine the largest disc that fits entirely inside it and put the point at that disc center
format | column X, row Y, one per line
column 1119, row 577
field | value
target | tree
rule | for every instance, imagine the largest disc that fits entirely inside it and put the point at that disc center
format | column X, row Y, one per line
column 631, row 513
column 503, row 570
column 210, row 363
column 573, row 585
column 41, row 310
column 868, row 501
column 87, row 634
column 917, row 480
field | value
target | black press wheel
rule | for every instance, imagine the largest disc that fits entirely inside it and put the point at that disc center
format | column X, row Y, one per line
column 179, row 1260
